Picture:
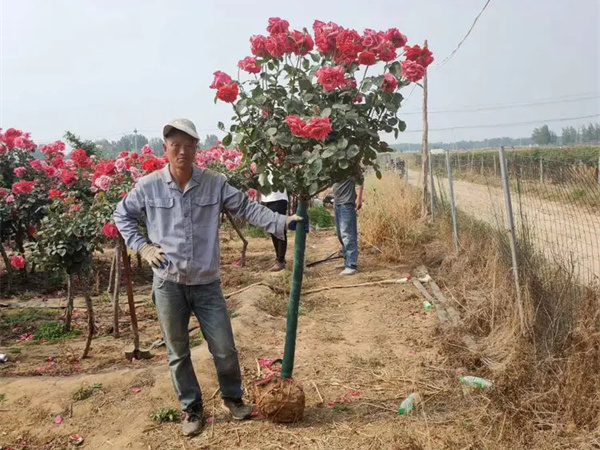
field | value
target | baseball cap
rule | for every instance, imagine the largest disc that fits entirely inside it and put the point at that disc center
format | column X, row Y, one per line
column 185, row 125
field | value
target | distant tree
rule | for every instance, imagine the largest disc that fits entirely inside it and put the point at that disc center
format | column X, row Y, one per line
column 106, row 147
column 543, row 136
column 210, row 141
column 591, row 133
column 569, row 135
column 129, row 142
column 76, row 142
column 157, row 145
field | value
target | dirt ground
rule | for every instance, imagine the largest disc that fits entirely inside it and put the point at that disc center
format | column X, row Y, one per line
column 360, row 352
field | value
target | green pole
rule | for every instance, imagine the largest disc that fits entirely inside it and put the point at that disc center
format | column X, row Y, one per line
column 294, row 303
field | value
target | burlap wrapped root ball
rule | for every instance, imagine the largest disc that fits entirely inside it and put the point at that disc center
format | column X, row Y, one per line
column 280, row 400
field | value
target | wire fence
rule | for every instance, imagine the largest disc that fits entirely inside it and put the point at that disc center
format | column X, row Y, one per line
column 555, row 201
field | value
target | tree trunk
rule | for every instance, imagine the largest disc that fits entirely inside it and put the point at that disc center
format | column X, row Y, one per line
column 294, row 303
column 139, row 259
column 90, row 313
column 69, row 310
column 239, row 233
column 116, row 287
column 112, row 272
column 9, row 269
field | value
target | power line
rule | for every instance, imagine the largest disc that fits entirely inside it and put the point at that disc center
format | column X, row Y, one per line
column 464, row 38
column 500, row 125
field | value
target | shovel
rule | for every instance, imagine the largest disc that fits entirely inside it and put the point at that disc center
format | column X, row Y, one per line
column 136, row 353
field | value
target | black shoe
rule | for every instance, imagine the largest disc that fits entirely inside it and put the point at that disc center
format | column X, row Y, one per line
column 193, row 423
column 239, row 410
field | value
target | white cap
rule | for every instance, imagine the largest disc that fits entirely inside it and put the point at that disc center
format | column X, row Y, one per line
column 185, row 125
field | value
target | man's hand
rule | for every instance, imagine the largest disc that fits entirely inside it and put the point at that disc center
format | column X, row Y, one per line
column 359, row 204
column 153, row 254
column 292, row 220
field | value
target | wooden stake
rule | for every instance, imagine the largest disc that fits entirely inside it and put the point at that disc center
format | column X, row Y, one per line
column 425, row 209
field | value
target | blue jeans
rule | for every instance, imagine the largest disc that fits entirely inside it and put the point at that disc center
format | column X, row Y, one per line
column 347, row 232
column 174, row 304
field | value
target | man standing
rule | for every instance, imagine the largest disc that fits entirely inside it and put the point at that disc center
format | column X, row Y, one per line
column 277, row 202
column 346, row 204
column 182, row 205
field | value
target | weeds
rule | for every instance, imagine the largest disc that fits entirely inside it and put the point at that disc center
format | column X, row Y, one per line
column 2, row 398
column 320, row 217
column 86, row 392
column 52, row 331
column 196, row 340
column 165, row 415
column 256, row 232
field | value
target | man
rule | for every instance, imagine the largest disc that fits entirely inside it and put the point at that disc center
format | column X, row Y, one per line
column 346, row 204
column 277, row 202
column 182, row 205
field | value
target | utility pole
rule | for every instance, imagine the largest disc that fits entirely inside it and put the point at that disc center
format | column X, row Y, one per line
column 135, row 132
column 425, row 210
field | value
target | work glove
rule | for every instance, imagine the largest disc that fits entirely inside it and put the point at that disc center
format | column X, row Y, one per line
column 153, row 254
column 294, row 219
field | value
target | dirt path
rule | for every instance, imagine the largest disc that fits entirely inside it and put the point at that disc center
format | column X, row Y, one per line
column 565, row 233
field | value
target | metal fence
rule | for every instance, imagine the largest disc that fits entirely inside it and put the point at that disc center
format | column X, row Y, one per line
column 551, row 202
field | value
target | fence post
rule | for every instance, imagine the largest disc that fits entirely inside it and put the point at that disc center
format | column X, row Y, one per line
column 431, row 188
column 495, row 167
column 541, row 169
column 513, row 236
column 598, row 169
column 452, row 203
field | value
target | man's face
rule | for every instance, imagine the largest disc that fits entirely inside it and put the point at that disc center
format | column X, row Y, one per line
column 180, row 148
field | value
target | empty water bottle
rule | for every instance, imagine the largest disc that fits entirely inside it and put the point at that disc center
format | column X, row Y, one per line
column 476, row 382
column 427, row 305
column 409, row 403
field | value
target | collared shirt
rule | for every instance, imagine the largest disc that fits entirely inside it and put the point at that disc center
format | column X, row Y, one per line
column 186, row 224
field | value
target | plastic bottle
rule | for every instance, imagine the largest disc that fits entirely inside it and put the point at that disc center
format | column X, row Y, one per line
column 476, row 382
column 427, row 305
column 408, row 403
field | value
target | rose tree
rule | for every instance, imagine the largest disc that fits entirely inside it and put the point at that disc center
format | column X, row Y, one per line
column 311, row 113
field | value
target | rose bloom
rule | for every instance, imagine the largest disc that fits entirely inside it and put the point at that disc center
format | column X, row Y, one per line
column 17, row 261
column 228, row 93
column 121, row 164
column 75, row 207
column 331, row 77
column 349, row 44
column 252, row 193
column 422, row 56
column 68, row 177
column 10, row 199
column 297, row 125
column 396, row 38
column 19, row 171
column 110, row 230
column 258, row 44
column 390, row 83
column 318, row 128
column 103, row 182
column 55, row 193
column 146, row 150
column 367, row 58
column 22, row 187
column 80, row 157
column 249, row 64
column 135, row 173
column 220, row 80
column 387, row 52
column 278, row 45
column 302, row 42
column 51, row 171
column 326, row 35
column 31, row 230
column 278, row 26
column 412, row 71
column 125, row 154
column 35, row 164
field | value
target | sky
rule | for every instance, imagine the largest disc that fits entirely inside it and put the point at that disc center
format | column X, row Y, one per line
column 104, row 68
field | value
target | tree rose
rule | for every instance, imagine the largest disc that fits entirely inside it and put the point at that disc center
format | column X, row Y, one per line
column 412, row 71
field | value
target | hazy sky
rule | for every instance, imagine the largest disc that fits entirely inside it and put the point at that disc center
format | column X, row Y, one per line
column 102, row 68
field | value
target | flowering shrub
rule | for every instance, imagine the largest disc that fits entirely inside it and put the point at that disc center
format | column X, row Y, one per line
column 310, row 113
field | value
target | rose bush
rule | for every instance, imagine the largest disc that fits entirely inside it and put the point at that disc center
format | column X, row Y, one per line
column 311, row 114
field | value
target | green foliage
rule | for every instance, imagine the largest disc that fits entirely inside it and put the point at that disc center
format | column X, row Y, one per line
column 543, row 136
column 196, row 340
column 51, row 331
column 164, row 415
column 14, row 350
column 320, row 217
column 13, row 319
column 256, row 232
column 2, row 397
column 76, row 142
column 86, row 392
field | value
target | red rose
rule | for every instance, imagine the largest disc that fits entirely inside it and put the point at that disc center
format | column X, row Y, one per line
column 249, row 64
column 331, row 77
column 258, row 45
column 153, row 163
column 31, row 230
column 326, row 35
column 228, row 93
column 302, row 42
column 396, row 38
column 318, row 128
column 110, row 230
column 297, row 126
column 412, row 71
column 58, row 162
column 124, row 154
column 17, row 261
column 372, row 39
column 387, row 52
column 278, row 26
column 55, row 193
column 80, row 157
column 278, row 45
column 252, row 193
column 367, row 58
column 68, row 177
column 390, row 83
column 419, row 55
column 22, row 187
column 349, row 44
column 35, row 164
column 221, row 79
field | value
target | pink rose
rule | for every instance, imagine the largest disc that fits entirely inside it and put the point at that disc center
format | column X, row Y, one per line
column 51, row 171
column 331, row 77
column 19, row 171
column 278, row 45
column 135, row 173
column 252, row 193
column 249, row 64
column 121, row 164
column 10, row 199
column 35, row 164
column 103, row 182
column 17, row 261
column 367, row 58
column 348, row 46
column 258, row 44
column 396, row 38
column 387, row 52
column 326, row 35
column 372, row 39
column 110, row 230
column 297, row 126
column 390, row 83
column 146, row 150
column 318, row 128
column 220, row 80
column 22, row 187
column 412, row 71
column 278, row 26
column 302, row 42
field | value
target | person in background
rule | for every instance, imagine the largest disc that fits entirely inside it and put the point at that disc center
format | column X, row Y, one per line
column 182, row 206
column 277, row 202
column 347, row 202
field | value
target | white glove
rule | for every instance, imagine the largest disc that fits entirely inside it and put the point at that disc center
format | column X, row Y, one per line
column 153, row 254
column 290, row 219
